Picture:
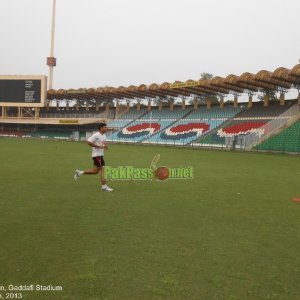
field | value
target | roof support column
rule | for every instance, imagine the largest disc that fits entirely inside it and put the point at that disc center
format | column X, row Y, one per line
column 282, row 92
column 4, row 112
column 117, row 107
column 266, row 100
column 160, row 105
column 208, row 103
column 138, row 106
column 235, row 101
column 282, row 99
column 36, row 112
column 195, row 104
column 183, row 103
column 299, row 97
column 221, row 102
column 149, row 105
column 107, row 108
column 250, row 101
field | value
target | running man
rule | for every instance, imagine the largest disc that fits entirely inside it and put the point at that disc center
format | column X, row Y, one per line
column 98, row 142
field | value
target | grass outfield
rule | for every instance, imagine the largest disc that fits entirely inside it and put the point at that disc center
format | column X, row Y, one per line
column 230, row 233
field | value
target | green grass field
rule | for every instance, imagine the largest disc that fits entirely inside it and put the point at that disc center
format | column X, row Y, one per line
column 230, row 233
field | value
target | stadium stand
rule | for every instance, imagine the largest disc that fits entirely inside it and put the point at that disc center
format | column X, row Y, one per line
column 201, row 127
column 287, row 140
column 215, row 112
column 194, row 124
column 214, row 124
column 259, row 111
column 166, row 114
column 177, row 126
column 56, row 135
column 246, row 122
column 62, row 113
column 133, row 114
column 148, row 124
column 139, row 130
column 117, row 124
column 126, row 118
column 12, row 133
column 184, row 132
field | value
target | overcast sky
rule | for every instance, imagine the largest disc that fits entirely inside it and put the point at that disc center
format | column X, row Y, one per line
column 124, row 42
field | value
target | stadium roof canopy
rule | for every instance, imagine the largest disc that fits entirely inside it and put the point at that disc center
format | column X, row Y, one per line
column 280, row 79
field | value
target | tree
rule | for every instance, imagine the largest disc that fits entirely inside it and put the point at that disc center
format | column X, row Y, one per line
column 271, row 93
column 160, row 99
column 207, row 76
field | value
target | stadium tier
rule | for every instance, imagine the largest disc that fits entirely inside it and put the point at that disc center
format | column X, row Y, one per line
column 230, row 131
column 177, row 126
column 133, row 114
column 56, row 135
column 146, row 124
column 62, row 113
column 46, row 131
column 126, row 118
column 139, row 130
column 118, row 123
column 195, row 124
column 12, row 133
column 215, row 112
column 248, row 121
column 287, row 140
column 270, row 112
column 202, row 127
column 184, row 132
column 50, row 135
column 166, row 114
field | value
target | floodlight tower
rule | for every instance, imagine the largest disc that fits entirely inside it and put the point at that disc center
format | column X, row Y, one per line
column 51, row 60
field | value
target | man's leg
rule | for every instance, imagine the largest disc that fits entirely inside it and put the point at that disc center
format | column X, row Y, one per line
column 105, row 188
column 79, row 173
column 102, row 179
column 91, row 171
column 94, row 171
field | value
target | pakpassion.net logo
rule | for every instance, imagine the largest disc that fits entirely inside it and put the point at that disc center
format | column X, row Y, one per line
column 161, row 173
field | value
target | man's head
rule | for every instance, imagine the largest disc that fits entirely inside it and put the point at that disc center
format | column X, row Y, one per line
column 102, row 128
